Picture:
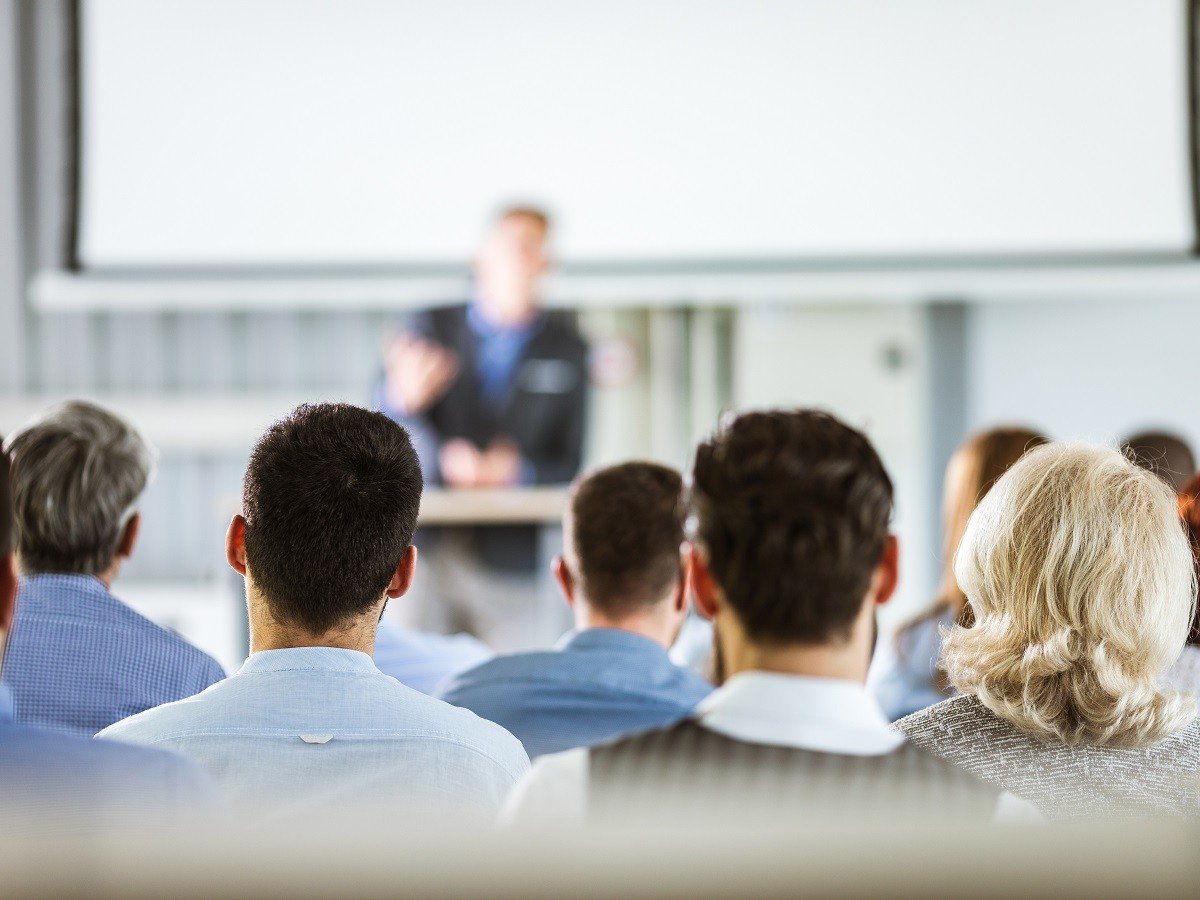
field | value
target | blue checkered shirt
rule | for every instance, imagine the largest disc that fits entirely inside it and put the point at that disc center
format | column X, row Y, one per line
column 596, row 685
column 79, row 659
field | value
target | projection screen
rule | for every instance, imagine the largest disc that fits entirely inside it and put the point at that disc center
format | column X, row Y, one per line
column 347, row 132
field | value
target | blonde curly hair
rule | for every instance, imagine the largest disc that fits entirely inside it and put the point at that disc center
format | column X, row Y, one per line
column 1083, row 590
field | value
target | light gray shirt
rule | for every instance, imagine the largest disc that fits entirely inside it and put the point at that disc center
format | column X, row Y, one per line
column 316, row 728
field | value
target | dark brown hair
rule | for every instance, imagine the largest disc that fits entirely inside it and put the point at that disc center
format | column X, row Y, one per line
column 1166, row 455
column 792, row 509
column 330, row 498
column 624, row 532
column 1189, row 510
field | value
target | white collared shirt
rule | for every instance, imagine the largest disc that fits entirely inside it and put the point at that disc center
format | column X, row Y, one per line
column 828, row 715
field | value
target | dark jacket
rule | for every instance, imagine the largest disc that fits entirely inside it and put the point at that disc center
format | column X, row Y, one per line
column 543, row 414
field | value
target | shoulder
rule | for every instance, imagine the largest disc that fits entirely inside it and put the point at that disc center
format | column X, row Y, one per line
column 454, row 726
column 74, row 757
column 166, row 722
column 958, row 717
column 163, row 639
column 500, row 669
column 561, row 329
column 555, row 790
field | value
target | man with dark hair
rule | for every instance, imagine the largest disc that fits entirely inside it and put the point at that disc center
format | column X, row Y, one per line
column 791, row 553
column 622, row 574
column 79, row 658
column 329, row 507
column 493, row 392
column 55, row 784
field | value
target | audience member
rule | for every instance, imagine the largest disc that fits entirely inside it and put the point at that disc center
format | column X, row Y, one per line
column 623, row 576
column 1082, row 586
column 54, row 784
column 791, row 554
column 79, row 659
column 424, row 659
column 309, row 724
column 915, row 679
column 1166, row 455
column 1185, row 674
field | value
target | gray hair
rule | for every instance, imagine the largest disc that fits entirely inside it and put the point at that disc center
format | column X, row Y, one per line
column 77, row 473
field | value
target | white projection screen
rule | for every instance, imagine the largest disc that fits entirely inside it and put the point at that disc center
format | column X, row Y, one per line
column 348, row 132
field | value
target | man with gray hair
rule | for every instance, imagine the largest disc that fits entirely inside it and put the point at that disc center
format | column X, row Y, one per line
column 79, row 659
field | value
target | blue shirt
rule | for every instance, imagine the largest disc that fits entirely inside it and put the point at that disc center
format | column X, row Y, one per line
column 52, row 782
column 312, row 729
column 79, row 659
column 909, row 683
column 596, row 685
column 423, row 659
column 497, row 351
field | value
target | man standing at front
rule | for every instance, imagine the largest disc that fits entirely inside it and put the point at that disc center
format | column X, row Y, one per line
column 494, row 393
column 324, row 540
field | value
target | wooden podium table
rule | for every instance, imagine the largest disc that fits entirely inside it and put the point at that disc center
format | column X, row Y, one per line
column 493, row 506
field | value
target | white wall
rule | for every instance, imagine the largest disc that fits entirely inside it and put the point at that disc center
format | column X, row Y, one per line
column 1086, row 369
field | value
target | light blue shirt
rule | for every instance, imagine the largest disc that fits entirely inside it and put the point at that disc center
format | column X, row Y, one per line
column 79, row 659
column 54, row 784
column 319, row 728
column 596, row 685
column 910, row 683
column 423, row 659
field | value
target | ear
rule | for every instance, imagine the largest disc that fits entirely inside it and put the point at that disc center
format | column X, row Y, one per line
column 235, row 545
column 684, row 588
column 402, row 578
column 8, row 592
column 129, row 537
column 887, row 573
column 566, row 581
column 704, row 586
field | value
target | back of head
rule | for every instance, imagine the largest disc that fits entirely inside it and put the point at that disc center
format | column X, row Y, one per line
column 975, row 467
column 77, row 474
column 1189, row 511
column 1082, row 585
column 330, row 498
column 1166, row 455
column 792, row 509
column 624, row 532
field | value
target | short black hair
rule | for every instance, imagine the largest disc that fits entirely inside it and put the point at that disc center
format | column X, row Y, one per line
column 331, row 498
column 793, row 509
column 625, row 530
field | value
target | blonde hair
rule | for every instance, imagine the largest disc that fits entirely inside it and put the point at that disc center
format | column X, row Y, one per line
column 1082, row 585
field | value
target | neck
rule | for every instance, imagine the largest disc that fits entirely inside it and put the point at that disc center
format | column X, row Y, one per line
column 848, row 660
column 267, row 633
column 652, row 624
column 507, row 315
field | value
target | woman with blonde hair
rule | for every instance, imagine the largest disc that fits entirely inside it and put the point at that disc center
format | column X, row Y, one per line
column 1082, row 587
column 914, row 678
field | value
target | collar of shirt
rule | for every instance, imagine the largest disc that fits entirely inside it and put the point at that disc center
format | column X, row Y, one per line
column 78, row 584
column 7, row 709
column 324, row 659
column 610, row 640
column 830, row 715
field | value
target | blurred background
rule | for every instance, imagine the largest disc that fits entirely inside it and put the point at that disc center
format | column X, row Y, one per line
column 928, row 216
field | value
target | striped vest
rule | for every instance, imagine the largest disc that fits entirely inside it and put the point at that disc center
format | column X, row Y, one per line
column 688, row 772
